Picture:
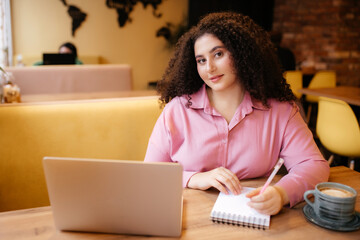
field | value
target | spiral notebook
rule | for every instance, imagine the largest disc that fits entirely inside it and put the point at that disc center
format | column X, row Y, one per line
column 233, row 209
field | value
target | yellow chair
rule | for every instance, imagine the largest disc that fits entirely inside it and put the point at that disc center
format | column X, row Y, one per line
column 338, row 129
column 322, row 79
column 295, row 79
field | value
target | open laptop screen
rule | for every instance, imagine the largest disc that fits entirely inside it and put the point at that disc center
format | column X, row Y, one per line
column 58, row 59
column 115, row 196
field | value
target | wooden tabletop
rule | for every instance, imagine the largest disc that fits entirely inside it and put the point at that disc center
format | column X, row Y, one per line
column 37, row 223
column 348, row 94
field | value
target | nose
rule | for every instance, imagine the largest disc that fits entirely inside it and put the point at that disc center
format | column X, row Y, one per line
column 210, row 66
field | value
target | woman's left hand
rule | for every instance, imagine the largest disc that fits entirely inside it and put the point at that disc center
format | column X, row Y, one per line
column 270, row 201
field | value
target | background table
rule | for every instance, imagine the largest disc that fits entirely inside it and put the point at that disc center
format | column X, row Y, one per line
column 348, row 94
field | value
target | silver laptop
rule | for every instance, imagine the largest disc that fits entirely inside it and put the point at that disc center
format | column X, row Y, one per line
column 115, row 196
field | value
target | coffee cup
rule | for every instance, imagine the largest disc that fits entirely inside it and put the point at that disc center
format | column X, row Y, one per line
column 333, row 202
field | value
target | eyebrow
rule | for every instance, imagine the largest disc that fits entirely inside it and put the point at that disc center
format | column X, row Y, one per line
column 212, row 50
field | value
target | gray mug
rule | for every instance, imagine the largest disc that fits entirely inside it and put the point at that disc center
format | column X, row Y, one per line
column 333, row 202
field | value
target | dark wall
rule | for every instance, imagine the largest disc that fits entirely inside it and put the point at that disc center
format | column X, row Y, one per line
column 324, row 33
column 261, row 11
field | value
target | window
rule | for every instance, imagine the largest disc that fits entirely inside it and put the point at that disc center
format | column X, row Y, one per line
column 5, row 34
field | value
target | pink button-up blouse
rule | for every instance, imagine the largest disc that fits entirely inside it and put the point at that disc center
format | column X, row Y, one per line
column 200, row 139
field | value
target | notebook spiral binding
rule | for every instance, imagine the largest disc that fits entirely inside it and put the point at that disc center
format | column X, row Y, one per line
column 239, row 220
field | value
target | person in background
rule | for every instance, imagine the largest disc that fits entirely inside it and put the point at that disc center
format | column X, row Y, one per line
column 229, row 115
column 65, row 48
column 286, row 56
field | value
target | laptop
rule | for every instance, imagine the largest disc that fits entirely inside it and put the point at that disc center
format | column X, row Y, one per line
column 58, row 59
column 115, row 196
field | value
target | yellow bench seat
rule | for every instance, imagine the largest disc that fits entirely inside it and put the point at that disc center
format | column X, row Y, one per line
column 111, row 129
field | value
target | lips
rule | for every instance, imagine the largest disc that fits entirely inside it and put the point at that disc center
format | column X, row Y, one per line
column 216, row 78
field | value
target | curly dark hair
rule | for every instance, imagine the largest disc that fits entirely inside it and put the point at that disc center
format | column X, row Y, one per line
column 253, row 54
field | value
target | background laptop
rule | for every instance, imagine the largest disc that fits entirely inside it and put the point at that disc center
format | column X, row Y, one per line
column 115, row 196
column 58, row 59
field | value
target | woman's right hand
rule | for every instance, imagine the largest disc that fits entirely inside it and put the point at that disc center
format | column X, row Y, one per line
column 220, row 178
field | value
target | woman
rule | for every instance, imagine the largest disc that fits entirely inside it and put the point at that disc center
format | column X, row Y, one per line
column 69, row 48
column 65, row 48
column 230, row 115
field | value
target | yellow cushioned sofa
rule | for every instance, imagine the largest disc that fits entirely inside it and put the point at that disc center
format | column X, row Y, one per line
column 104, row 128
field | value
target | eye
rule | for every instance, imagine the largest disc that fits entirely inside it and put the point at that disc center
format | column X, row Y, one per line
column 200, row 60
column 218, row 54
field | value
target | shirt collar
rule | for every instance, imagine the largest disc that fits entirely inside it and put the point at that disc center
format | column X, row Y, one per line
column 200, row 100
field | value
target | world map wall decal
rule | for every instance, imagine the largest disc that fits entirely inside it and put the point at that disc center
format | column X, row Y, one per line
column 77, row 16
column 123, row 9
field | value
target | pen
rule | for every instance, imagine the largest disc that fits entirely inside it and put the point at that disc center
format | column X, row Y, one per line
column 276, row 169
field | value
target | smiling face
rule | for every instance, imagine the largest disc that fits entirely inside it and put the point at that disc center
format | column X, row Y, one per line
column 214, row 63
